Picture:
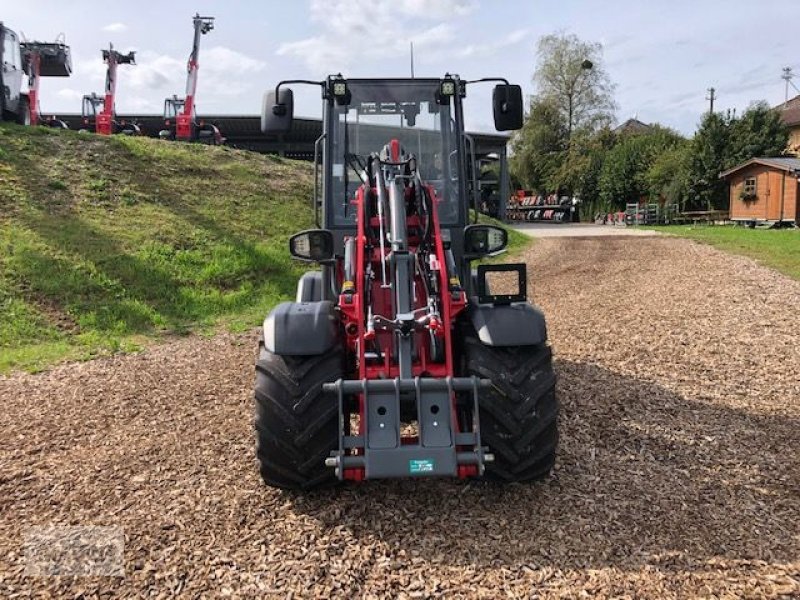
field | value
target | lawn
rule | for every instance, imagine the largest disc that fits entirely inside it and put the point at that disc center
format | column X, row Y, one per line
column 111, row 243
column 775, row 248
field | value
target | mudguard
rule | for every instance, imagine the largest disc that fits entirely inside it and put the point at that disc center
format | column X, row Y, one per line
column 516, row 324
column 301, row 328
column 309, row 288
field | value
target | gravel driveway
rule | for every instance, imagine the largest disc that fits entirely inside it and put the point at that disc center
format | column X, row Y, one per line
column 678, row 474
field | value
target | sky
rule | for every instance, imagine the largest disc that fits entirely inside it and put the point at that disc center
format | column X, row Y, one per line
column 662, row 55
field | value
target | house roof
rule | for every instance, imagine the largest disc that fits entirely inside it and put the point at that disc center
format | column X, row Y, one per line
column 633, row 126
column 791, row 165
column 790, row 111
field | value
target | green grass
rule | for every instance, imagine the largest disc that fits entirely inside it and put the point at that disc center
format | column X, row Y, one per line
column 110, row 244
column 107, row 244
column 775, row 248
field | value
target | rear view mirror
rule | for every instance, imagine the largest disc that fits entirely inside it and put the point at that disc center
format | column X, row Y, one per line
column 481, row 240
column 276, row 116
column 315, row 245
column 507, row 106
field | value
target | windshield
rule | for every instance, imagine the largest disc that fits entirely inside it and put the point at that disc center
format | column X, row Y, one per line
column 92, row 105
column 380, row 111
column 172, row 107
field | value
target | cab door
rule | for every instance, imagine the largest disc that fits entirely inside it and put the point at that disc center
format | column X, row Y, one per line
column 12, row 70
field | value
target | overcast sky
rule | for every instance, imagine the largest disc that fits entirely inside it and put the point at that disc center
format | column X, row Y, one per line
column 661, row 54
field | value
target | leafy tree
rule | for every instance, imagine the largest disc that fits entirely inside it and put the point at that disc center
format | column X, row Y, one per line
column 537, row 149
column 722, row 142
column 570, row 74
column 555, row 149
column 596, row 148
column 709, row 156
column 759, row 132
column 668, row 177
column 624, row 174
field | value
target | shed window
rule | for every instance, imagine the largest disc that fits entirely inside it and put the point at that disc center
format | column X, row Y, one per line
column 749, row 187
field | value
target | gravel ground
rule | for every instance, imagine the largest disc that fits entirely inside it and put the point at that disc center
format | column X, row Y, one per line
column 678, row 474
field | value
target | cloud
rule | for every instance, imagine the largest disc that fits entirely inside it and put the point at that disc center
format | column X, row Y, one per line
column 491, row 48
column 115, row 27
column 69, row 94
column 348, row 26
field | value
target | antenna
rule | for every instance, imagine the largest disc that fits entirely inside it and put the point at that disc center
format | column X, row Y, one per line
column 412, row 60
column 787, row 76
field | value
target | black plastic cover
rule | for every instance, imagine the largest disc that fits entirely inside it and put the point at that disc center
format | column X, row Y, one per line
column 517, row 324
column 309, row 288
column 301, row 328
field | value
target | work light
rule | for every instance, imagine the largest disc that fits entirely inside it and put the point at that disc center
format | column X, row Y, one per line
column 340, row 91
column 447, row 87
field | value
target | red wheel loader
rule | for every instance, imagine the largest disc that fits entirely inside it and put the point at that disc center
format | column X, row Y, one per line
column 99, row 112
column 180, row 120
column 397, row 359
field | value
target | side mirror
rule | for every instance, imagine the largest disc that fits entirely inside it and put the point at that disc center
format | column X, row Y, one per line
column 276, row 116
column 482, row 240
column 507, row 106
column 313, row 245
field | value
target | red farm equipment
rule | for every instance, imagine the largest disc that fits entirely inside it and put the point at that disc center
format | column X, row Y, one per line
column 396, row 359
column 99, row 112
column 180, row 120
column 36, row 60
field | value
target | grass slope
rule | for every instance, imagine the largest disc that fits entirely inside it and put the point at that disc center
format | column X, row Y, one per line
column 110, row 243
column 106, row 243
column 776, row 248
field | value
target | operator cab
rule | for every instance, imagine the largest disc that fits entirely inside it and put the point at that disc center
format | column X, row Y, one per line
column 424, row 114
column 11, row 76
column 91, row 106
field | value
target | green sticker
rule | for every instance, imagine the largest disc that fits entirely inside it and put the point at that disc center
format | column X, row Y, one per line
column 420, row 466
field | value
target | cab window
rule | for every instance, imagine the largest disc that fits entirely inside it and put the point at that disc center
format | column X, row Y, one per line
column 11, row 50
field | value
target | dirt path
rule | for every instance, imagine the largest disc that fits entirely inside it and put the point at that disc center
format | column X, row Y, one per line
column 678, row 474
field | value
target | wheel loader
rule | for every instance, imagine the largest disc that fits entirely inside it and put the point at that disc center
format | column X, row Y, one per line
column 398, row 358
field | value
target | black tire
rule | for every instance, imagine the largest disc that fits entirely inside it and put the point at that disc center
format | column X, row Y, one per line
column 519, row 413
column 23, row 111
column 297, row 426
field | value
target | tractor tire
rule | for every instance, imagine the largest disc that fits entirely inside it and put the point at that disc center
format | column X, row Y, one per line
column 23, row 111
column 297, row 425
column 519, row 413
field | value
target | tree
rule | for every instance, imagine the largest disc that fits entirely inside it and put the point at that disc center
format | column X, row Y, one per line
column 709, row 156
column 624, row 174
column 570, row 74
column 669, row 175
column 555, row 149
column 537, row 149
column 722, row 142
column 759, row 132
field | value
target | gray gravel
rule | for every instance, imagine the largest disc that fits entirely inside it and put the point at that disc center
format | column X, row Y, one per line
column 678, row 475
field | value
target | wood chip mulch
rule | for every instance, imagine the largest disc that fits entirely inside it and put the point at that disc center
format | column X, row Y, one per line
column 678, row 473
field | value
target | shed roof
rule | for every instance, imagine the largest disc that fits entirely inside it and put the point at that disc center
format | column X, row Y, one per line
column 791, row 165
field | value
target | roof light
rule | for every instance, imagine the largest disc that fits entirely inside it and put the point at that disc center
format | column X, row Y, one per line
column 340, row 90
column 447, row 87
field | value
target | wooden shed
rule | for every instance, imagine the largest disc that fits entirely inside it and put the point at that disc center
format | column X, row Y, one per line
column 764, row 189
